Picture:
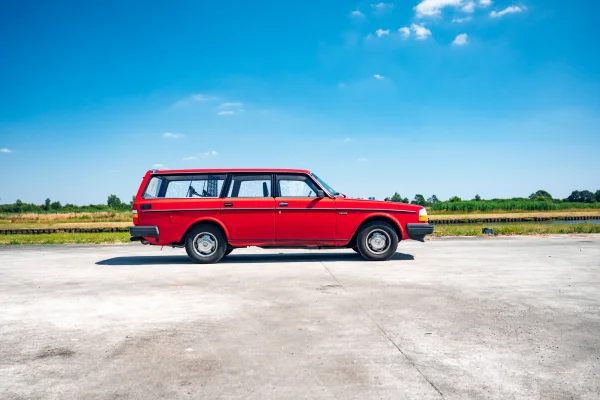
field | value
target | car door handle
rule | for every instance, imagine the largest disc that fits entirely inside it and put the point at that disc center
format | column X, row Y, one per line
column 283, row 204
column 228, row 204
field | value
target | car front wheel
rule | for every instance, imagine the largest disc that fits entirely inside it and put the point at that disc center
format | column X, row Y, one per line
column 205, row 244
column 377, row 241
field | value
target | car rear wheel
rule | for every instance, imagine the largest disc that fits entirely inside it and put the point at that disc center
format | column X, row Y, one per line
column 205, row 244
column 377, row 241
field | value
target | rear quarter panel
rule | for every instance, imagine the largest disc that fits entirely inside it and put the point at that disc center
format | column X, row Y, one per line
column 174, row 216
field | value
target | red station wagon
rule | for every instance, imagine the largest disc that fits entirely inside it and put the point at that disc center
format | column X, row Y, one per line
column 211, row 212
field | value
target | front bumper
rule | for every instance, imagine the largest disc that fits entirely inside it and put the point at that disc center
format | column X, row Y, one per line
column 138, row 233
column 419, row 231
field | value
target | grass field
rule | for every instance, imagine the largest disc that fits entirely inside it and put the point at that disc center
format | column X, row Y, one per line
column 66, row 238
column 45, row 225
column 516, row 229
column 33, row 218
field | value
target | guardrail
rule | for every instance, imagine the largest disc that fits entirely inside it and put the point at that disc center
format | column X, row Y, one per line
column 39, row 231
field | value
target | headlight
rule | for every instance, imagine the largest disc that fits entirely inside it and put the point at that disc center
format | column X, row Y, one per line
column 423, row 215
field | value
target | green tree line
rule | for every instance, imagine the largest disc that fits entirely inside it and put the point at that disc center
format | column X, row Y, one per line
column 537, row 201
column 113, row 203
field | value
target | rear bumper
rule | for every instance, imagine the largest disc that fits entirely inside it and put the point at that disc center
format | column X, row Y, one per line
column 140, row 232
column 419, row 231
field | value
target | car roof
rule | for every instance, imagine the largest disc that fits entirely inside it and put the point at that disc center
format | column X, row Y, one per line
column 228, row 170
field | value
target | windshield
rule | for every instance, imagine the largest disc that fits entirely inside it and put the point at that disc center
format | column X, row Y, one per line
column 331, row 190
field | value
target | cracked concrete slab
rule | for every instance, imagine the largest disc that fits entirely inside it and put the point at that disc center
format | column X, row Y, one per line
column 453, row 318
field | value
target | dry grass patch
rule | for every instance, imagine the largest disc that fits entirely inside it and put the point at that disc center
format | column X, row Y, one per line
column 101, row 216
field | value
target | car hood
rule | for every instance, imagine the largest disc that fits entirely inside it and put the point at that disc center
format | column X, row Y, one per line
column 375, row 204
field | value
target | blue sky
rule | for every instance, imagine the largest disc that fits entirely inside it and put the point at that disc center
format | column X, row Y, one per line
column 445, row 97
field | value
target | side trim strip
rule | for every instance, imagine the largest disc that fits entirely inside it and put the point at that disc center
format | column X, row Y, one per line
column 377, row 209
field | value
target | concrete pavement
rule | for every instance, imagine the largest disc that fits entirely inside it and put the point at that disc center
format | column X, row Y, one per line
column 457, row 318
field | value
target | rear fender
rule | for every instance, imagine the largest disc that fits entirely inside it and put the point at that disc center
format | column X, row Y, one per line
column 206, row 220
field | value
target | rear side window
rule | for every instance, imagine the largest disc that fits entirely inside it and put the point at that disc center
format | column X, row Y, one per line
column 250, row 186
column 153, row 187
column 184, row 186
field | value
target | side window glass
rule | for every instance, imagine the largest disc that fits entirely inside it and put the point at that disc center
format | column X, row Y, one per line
column 177, row 189
column 296, row 186
column 206, row 186
column 153, row 188
column 250, row 186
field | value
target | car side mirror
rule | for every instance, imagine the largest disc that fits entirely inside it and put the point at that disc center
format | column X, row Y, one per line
column 320, row 194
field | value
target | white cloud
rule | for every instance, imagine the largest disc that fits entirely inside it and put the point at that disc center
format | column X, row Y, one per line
column 362, row 159
column 234, row 104
column 5, row 150
column 170, row 135
column 461, row 20
column 434, row 7
column 461, row 39
column 382, row 6
column 191, row 158
column 157, row 165
column 194, row 98
column 469, row 7
column 507, row 10
column 378, row 77
column 405, row 31
column 211, row 153
column 357, row 14
column 382, row 32
column 226, row 112
column 485, row 3
column 420, row 31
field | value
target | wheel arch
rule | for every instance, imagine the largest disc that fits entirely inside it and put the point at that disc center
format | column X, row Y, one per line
column 378, row 217
column 211, row 221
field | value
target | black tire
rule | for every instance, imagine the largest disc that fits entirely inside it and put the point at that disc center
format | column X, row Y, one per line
column 369, row 250
column 355, row 249
column 228, row 251
column 209, row 233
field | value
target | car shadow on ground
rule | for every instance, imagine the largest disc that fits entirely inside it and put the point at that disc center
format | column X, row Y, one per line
column 247, row 258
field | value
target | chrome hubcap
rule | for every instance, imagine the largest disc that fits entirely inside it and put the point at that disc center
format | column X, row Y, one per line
column 205, row 244
column 378, row 241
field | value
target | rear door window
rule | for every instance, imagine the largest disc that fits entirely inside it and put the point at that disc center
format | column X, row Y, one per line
column 250, row 186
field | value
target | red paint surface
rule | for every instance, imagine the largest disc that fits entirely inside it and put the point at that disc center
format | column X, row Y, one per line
column 305, row 221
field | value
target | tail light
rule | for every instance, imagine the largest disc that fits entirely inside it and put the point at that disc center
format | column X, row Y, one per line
column 423, row 215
